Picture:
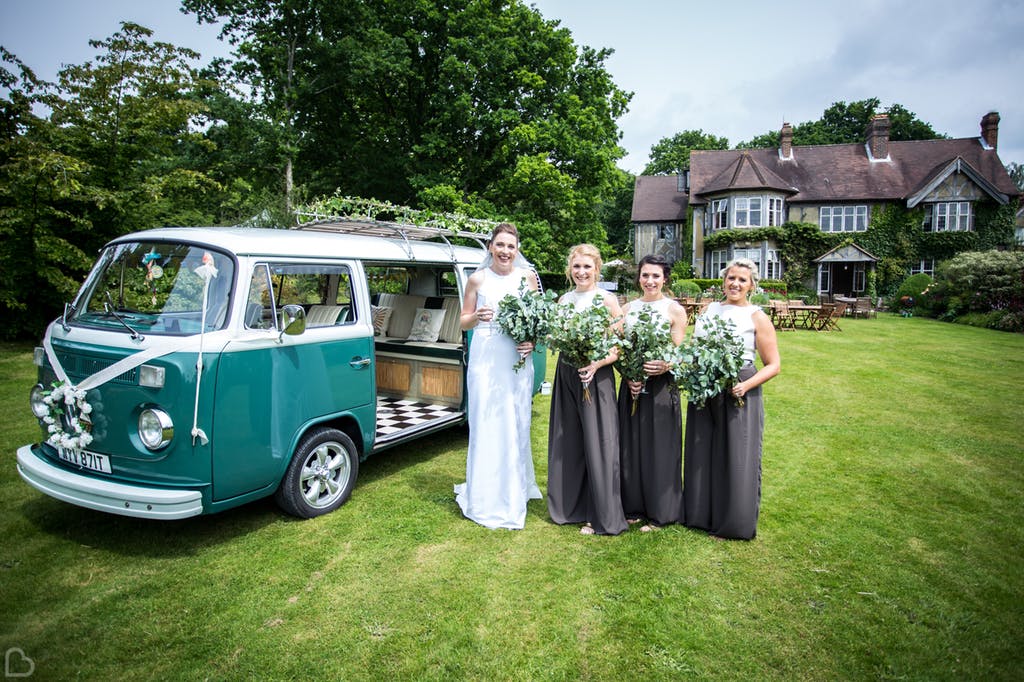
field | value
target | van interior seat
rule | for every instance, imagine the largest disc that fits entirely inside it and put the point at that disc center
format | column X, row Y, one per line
column 403, row 313
column 323, row 315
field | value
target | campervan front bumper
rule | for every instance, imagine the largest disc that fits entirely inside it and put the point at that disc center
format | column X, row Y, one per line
column 106, row 496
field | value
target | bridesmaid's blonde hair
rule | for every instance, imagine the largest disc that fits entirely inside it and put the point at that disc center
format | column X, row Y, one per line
column 588, row 250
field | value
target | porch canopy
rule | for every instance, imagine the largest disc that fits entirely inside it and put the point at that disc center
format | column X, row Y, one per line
column 842, row 270
column 848, row 253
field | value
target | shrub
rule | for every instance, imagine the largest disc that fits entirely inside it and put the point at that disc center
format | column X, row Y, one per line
column 912, row 287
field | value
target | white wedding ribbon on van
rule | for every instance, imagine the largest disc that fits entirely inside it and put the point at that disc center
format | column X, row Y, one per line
column 207, row 271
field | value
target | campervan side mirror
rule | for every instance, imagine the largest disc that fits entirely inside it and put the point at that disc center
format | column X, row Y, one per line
column 293, row 320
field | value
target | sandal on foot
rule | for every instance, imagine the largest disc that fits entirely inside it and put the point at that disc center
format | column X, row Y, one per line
column 648, row 527
column 634, row 521
column 587, row 530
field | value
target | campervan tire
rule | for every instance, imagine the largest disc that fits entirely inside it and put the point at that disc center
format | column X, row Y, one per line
column 321, row 474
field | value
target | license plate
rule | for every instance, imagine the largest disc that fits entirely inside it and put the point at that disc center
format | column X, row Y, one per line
column 86, row 460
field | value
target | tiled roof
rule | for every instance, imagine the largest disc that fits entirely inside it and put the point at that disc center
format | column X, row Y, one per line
column 843, row 172
column 656, row 198
column 745, row 173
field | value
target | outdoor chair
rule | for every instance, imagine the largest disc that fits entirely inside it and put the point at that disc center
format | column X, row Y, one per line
column 782, row 317
column 862, row 307
column 828, row 317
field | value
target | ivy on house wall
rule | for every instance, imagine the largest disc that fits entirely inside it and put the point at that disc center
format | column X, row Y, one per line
column 895, row 236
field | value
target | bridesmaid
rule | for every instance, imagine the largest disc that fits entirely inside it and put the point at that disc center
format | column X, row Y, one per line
column 722, row 466
column 583, row 436
column 651, row 439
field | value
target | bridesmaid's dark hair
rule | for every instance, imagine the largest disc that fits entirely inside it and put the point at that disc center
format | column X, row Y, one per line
column 654, row 259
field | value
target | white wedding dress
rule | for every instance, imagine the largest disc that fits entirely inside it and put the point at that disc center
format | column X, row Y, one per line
column 500, row 478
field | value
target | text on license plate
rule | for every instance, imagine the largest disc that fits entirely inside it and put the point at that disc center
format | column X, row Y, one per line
column 86, row 460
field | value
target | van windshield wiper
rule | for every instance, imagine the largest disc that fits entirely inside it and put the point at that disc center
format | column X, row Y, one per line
column 109, row 309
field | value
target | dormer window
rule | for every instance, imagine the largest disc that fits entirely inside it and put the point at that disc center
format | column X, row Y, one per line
column 949, row 216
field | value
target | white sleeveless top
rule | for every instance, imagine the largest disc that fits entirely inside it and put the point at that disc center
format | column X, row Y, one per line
column 659, row 309
column 741, row 315
column 494, row 288
column 580, row 301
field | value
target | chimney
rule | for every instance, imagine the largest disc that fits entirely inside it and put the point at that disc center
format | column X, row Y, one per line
column 786, row 141
column 878, row 137
column 990, row 129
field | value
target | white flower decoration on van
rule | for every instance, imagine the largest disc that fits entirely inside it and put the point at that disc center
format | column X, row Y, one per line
column 67, row 406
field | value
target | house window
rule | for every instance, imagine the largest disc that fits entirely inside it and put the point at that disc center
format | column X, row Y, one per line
column 719, row 214
column 748, row 211
column 718, row 260
column 824, row 271
column 926, row 265
column 667, row 232
column 843, row 218
column 774, row 211
column 773, row 266
column 952, row 216
column 749, row 254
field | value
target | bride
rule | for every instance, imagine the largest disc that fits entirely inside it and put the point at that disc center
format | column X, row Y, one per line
column 499, row 465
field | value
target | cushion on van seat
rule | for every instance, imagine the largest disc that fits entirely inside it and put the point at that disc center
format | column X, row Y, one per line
column 381, row 318
column 323, row 315
column 451, row 331
column 426, row 325
column 403, row 312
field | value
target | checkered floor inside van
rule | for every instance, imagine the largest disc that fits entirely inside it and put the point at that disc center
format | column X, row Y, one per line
column 394, row 414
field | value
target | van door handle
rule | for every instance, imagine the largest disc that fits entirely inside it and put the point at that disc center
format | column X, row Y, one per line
column 360, row 363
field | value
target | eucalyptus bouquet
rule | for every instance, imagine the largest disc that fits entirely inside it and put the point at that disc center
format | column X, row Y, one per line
column 648, row 338
column 526, row 317
column 582, row 337
column 710, row 362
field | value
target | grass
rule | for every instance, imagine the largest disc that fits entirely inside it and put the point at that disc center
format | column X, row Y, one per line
column 889, row 547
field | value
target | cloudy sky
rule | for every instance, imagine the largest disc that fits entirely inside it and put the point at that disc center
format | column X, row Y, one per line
column 732, row 68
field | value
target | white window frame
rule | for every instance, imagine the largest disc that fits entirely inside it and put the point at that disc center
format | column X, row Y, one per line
column 747, row 212
column 845, row 218
column 950, row 216
column 925, row 265
column 719, row 214
column 859, row 277
column 824, row 273
column 774, row 210
column 717, row 261
column 773, row 266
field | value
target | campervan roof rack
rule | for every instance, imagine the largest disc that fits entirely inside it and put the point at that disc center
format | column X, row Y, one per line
column 418, row 225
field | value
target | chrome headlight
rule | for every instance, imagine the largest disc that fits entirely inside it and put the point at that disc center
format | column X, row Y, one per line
column 35, row 399
column 155, row 428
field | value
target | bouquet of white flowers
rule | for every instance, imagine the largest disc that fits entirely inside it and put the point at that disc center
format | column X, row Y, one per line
column 648, row 338
column 526, row 317
column 710, row 363
column 582, row 337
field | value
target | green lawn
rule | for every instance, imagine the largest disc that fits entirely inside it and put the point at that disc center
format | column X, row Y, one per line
column 889, row 547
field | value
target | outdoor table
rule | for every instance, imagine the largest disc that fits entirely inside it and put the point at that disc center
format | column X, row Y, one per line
column 804, row 314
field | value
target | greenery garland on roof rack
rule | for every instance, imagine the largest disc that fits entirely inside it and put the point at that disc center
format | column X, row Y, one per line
column 358, row 208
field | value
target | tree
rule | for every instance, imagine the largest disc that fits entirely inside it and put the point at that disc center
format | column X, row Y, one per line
column 672, row 154
column 111, row 157
column 396, row 99
column 844, row 123
column 1016, row 172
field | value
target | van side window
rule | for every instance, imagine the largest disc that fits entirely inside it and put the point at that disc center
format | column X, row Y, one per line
column 323, row 290
column 260, row 312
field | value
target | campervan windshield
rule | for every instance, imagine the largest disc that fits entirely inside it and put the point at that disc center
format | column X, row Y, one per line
column 157, row 288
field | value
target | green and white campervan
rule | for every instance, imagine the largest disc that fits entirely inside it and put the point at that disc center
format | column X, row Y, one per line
column 202, row 368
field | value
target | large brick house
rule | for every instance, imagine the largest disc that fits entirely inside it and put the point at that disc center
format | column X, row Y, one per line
column 836, row 187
